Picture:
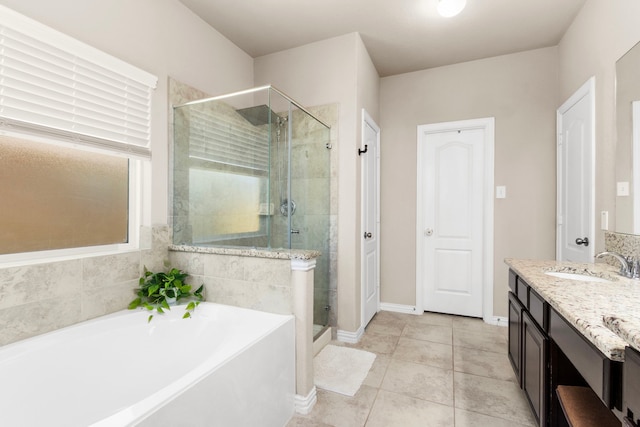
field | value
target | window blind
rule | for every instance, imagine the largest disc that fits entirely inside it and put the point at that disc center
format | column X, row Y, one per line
column 223, row 139
column 52, row 82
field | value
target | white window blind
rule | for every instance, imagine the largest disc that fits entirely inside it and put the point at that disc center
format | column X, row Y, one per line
column 227, row 140
column 50, row 82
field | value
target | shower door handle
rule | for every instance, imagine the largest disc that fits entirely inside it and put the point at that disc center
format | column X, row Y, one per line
column 294, row 231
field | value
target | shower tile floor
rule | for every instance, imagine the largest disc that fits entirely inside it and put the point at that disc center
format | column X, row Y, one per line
column 430, row 370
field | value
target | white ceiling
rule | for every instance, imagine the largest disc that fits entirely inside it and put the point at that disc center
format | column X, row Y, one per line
column 400, row 35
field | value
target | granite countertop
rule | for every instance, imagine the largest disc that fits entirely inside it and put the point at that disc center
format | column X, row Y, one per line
column 607, row 314
column 250, row 252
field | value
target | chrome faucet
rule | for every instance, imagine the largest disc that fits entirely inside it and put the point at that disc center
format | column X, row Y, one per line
column 628, row 266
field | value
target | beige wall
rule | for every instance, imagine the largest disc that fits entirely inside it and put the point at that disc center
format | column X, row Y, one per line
column 601, row 33
column 336, row 70
column 521, row 92
column 152, row 35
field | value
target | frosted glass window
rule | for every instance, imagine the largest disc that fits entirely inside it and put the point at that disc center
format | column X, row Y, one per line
column 56, row 197
column 223, row 204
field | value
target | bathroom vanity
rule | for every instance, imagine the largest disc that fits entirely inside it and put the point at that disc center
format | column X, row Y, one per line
column 567, row 325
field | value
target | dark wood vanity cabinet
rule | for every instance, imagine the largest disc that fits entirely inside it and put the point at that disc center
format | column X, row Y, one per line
column 528, row 347
column 535, row 372
column 631, row 387
column 603, row 375
column 515, row 336
column 546, row 351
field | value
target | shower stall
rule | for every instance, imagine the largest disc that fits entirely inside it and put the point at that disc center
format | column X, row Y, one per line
column 252, row 170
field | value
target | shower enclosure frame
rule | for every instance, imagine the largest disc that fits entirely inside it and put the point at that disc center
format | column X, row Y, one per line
column 289, row 108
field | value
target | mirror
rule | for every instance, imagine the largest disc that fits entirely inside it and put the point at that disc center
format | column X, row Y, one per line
column 628, row 141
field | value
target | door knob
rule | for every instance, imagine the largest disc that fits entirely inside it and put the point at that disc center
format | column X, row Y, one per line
column 367, row 235
column 428, row 232
column 584, row 241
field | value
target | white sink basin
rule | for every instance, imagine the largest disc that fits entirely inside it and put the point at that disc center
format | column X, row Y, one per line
column 575, row 276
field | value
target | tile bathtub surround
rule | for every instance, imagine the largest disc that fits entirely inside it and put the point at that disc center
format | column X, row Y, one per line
column 428, row 371
column 40, row 298
column 585, row 304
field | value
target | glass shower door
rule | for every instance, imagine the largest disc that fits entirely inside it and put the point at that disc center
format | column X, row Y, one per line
column 310, row 191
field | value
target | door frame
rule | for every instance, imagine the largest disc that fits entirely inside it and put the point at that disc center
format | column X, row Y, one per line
column 368, row 120
column 588, row 89
column 487, row 124
column 635, row 126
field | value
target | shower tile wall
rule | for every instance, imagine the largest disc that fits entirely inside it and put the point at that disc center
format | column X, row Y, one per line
column 325, row 288
column 197, row 217
column 39, row 298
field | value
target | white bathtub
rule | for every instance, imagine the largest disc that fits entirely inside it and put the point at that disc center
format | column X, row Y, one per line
column 226, row 366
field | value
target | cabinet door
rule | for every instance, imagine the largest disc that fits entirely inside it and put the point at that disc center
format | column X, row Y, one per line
column 534, row 367
column 515, row 336
column 631, row 382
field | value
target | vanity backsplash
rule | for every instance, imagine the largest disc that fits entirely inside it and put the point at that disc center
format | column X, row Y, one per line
column 624, row 244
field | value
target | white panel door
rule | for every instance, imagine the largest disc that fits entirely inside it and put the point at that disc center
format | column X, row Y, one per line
column 370, row 218
column 452, row 268
column 575, row 222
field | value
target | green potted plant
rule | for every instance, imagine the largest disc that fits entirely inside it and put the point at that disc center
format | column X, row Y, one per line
column 158, row 291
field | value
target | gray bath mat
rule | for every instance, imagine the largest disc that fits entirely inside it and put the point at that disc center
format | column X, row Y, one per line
column 341, row 369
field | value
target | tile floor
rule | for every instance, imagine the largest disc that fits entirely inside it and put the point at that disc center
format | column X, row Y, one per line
column 430, row 370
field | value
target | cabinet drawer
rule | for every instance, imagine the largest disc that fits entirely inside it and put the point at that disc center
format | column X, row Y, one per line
column 513, row 279
column 522, row 291
column 538, row 309
column 594, row 366
column 631, row 385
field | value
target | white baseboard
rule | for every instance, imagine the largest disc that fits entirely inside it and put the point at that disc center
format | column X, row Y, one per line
column 304, row 404
column 350, row 337
column 496, row 320
column 399, row 308
column 409, row 309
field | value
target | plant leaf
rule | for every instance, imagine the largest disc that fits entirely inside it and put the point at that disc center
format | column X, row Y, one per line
column 149, row 318
column 191, row 306
column 153, row 289
column 135, row 303
column 186, row 315
column 165, row 304
column 160, row 310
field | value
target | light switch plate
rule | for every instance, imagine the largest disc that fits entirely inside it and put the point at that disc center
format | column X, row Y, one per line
column 623, row 189
column 604, row 220
column 501, row 192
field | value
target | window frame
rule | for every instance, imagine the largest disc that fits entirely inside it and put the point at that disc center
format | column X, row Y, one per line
column 138, row 189
column 48, row 46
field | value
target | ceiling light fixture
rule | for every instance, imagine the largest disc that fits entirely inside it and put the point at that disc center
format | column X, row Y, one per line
column 449, row 8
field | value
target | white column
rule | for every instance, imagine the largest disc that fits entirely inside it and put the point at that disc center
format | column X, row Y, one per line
column 302, row 283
